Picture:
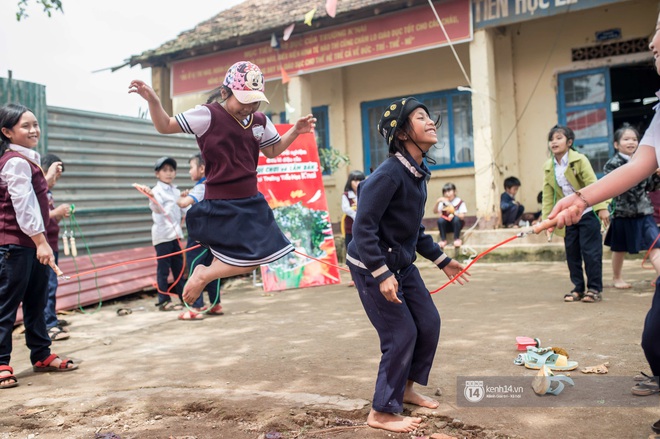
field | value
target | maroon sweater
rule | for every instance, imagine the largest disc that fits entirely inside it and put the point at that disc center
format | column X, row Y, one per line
column 231, row 153
column 10, row 232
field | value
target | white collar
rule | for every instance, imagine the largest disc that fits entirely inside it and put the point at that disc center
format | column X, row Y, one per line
column 563, row 161
column 626, row 157
column 165, row 186
column 27, row 152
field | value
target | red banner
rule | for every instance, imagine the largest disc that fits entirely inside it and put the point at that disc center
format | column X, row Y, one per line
column 407, row 31
column 292, row 183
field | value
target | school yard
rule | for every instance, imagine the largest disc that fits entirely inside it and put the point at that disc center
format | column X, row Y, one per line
column 302, row 364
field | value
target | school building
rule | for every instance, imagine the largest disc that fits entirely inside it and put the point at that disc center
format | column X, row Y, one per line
column 500, row 73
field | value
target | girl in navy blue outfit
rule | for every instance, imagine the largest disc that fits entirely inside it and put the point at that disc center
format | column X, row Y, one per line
column 24, row 250
column 234, row 220
column 387, row 234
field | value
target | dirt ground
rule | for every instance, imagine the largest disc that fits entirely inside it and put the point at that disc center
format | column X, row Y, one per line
column 302, row 364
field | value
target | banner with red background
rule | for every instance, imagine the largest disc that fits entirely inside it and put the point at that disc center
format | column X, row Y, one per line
column 292, row 183
column 407, row 31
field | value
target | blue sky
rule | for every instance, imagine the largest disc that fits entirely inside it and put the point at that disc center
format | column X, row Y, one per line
column 61, row 52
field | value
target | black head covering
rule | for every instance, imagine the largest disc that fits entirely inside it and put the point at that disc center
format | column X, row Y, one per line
column 394, row 117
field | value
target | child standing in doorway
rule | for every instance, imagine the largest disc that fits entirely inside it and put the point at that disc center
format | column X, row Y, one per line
column 166, row 232
column 633, row 227
column 566, row 173
column 195, row 195
column 387, row 235
column 452, row 212
column 349, row 206
column 24, row 251
column 234, row 220
column 55, row 167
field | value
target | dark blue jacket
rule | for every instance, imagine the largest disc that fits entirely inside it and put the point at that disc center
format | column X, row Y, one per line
column 388, row 230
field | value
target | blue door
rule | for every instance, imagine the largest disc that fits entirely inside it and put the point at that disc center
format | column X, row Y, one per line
column 584, row 105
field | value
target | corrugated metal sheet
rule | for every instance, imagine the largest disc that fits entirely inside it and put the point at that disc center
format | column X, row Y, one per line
column 103, row 156
column 32, row 96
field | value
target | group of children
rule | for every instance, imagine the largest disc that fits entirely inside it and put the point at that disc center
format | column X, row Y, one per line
column 169, row 206
column 382, row 244
column 226, row 214
column 233, row 221
column 569, row 212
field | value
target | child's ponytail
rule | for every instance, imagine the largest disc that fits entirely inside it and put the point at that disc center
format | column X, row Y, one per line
column 217, row 93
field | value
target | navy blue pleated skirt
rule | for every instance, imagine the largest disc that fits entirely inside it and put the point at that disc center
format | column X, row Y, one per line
column 240, row 232
column 632, row 235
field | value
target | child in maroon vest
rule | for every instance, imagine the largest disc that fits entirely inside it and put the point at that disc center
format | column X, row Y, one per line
column 349, row 207
column 24, row 250
column 234, row 220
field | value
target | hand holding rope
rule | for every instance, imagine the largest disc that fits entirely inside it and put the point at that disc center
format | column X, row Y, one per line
column 535, row 229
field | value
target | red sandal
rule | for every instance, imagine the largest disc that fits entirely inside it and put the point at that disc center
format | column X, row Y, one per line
column 14, row 383
column 216, row 310
column 44, row 366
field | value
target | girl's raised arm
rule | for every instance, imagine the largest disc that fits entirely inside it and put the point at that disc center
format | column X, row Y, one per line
column 164, row 123
column 304, row 125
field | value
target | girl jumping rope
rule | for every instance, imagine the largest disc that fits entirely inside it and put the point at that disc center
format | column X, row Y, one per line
column 24, row 250
column 387, row 234
column 234, row 220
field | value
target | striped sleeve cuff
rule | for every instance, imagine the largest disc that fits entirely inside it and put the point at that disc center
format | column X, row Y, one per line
column 381, row 274
column 183, row 123
column 270, row 142
column 442, row 261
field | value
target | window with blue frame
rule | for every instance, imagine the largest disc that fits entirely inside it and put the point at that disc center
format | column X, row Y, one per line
column 455, row 147
column 321, row 130
column 584, row 105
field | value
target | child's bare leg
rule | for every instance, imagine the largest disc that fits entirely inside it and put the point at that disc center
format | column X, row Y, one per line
column 617, row 266
column 393, row 422
column 202, row 275
column 654, row 257
column 412, row 397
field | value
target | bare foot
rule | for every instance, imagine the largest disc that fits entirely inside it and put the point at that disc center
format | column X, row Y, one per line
column 393, row 422
column 412, row 397
column 6, row 380
column 621, row 284
column 57, row 361
column 195, row 285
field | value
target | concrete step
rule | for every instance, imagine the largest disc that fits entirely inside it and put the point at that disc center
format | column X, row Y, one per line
column 510, row 252
column 530, row 247
column 495, row 236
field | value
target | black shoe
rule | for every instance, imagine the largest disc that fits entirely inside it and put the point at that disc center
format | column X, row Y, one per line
column 656, row 426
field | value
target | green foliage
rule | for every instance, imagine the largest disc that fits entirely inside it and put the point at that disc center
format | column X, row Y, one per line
column 307, row 226
column 331, row 159
column 49, row 7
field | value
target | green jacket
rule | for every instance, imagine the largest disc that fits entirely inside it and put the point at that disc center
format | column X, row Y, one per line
column 579, row 174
